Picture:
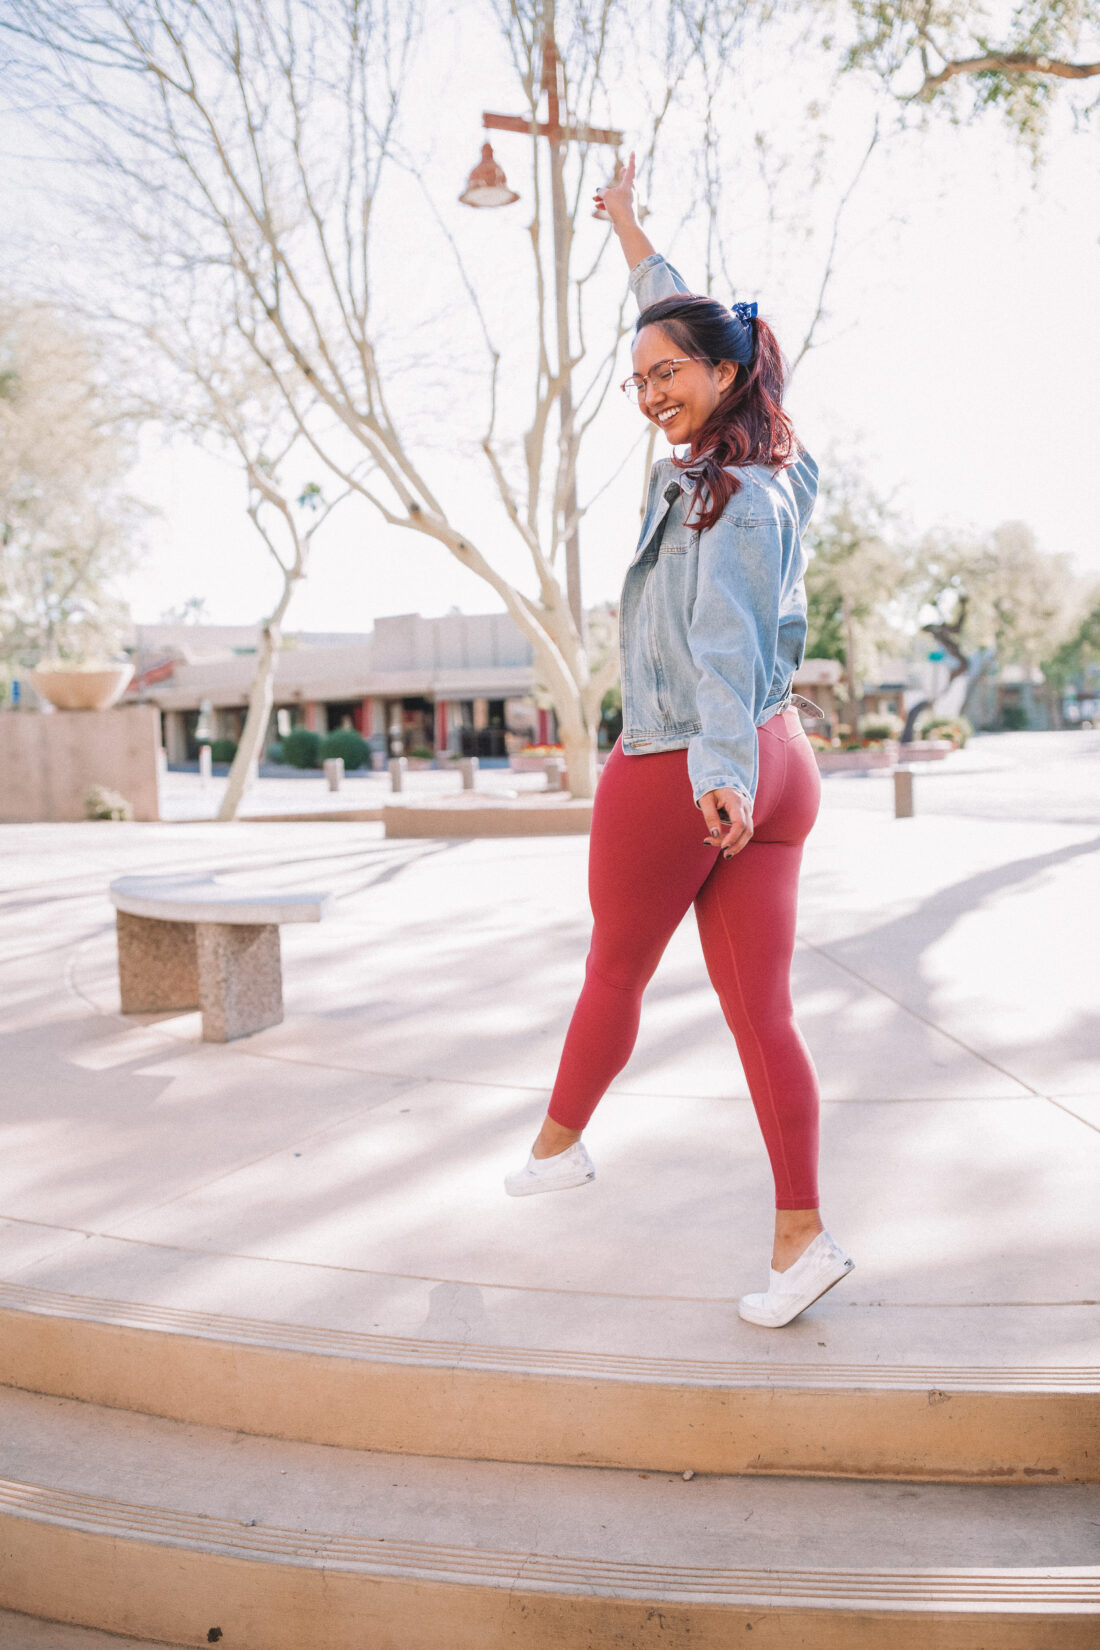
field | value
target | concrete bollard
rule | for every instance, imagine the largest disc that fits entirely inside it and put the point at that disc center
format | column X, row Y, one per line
column 903, row 793
column 162, row 762
column 399, row 767
column 468, row 769
column 555, row 773
column 334, row 771
column 206, row 765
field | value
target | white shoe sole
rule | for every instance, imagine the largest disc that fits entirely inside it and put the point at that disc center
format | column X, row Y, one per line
column 527, row 1181
column 820, row 1268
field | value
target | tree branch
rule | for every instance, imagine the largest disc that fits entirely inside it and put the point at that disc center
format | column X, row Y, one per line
column 1006, row 63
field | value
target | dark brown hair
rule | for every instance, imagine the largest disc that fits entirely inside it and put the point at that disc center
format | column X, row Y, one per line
column 748, row 426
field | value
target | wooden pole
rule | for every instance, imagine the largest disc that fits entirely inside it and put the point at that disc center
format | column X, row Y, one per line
column 559, row 137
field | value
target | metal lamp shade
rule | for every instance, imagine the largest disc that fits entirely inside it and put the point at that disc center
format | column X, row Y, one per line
column 487, row 185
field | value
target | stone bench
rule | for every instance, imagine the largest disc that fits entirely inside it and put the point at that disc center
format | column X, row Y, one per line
column 188, row 942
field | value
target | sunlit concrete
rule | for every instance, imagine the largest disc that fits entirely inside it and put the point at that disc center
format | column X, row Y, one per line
column 253, row 1252
column 347, row 1163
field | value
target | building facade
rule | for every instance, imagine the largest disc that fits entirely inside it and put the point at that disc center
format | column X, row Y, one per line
column 461, row 684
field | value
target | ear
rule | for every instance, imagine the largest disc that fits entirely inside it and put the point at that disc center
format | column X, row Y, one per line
column 727, row 374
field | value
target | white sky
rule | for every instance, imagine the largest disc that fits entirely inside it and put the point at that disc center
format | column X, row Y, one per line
column 965, row 330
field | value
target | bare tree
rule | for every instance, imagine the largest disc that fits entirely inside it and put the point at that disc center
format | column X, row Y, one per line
column 288, row 541
column 240, row 152
column 234, row 402
column 241, row 147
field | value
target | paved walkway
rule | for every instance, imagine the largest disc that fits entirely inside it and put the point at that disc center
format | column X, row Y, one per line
column 185, row 797
column 343, row 1169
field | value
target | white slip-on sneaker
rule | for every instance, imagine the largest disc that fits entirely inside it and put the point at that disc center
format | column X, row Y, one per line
column 817, row 1269
column 572, row 1167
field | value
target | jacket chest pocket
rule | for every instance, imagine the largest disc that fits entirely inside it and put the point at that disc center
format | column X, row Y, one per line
column 678, row 541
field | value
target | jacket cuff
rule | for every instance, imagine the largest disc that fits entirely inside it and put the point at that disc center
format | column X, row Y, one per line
column 640, row 269
column 719, row 782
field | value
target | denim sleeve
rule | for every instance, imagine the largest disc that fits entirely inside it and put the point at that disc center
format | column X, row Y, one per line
column 655, row 278
column 733, row 637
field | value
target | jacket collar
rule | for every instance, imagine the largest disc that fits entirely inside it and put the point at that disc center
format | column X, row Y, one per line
column 667, row 485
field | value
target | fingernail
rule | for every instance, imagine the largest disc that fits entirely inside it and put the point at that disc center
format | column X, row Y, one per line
column 728, row 854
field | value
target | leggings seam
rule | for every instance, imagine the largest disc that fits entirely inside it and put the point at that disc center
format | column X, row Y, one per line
column 760, row 1054
column 759, row 1051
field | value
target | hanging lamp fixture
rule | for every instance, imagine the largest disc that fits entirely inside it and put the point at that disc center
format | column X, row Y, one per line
column 487, row 185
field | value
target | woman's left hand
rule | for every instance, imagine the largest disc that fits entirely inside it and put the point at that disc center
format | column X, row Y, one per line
column 735, row 835
column 615, row 201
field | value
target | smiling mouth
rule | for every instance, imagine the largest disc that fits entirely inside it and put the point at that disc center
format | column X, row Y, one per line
column 668, row 414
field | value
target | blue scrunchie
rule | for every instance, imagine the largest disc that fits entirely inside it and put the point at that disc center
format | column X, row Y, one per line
column 745, row 313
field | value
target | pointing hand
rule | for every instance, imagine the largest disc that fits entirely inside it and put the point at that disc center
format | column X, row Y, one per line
column 615, row 201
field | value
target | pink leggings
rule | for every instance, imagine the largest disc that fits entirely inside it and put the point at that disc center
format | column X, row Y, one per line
column 647, row 863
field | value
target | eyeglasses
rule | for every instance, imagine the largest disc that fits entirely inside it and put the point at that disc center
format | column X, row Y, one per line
column 656, row 378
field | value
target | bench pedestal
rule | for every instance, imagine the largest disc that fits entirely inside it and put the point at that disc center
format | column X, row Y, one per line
column 231, row 971
column 240, row 979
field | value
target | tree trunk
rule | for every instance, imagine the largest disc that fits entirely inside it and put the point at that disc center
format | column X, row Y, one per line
column 260, row 700
column 579, row 747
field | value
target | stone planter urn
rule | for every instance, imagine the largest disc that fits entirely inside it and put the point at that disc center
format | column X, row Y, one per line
column 68, row 687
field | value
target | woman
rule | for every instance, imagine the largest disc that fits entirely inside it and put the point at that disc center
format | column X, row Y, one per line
column 712, row 629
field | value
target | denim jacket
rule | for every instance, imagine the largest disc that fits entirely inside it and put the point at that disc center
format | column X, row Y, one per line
column 712, row 624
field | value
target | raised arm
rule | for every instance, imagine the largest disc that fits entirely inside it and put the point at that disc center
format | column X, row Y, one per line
column 615, row 205
column 650, row 276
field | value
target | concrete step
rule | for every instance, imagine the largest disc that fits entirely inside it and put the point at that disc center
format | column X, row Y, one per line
column 813, row 1401
column 20, row 1632
column 192, row 1535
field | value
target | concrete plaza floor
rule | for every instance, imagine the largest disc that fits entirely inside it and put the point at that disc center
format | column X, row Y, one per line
column 343, row 1169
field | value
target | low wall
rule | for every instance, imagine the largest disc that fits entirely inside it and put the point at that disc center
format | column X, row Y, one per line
column 48, row 762
column 470, row 815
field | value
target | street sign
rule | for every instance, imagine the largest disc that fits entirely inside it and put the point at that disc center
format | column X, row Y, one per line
column 936, row 654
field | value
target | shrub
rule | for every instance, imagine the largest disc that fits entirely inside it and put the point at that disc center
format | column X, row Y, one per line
column 423, row 753
column 223, row 750
column 102, row 803
column 955, row 728
column 274, row 753
column 347, row 743
column 880, row 725
column 301, row 748
column 1014, row 718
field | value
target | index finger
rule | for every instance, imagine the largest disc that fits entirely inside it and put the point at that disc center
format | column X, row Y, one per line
column 709, row 812
column 628, row 171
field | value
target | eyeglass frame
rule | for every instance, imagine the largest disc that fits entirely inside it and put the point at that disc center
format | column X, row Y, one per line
column 673, row 361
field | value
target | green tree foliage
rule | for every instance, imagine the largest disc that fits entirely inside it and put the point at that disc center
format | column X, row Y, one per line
column 969, row 59
column 997, row 592
column 1068, row 662
column 855, row 579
